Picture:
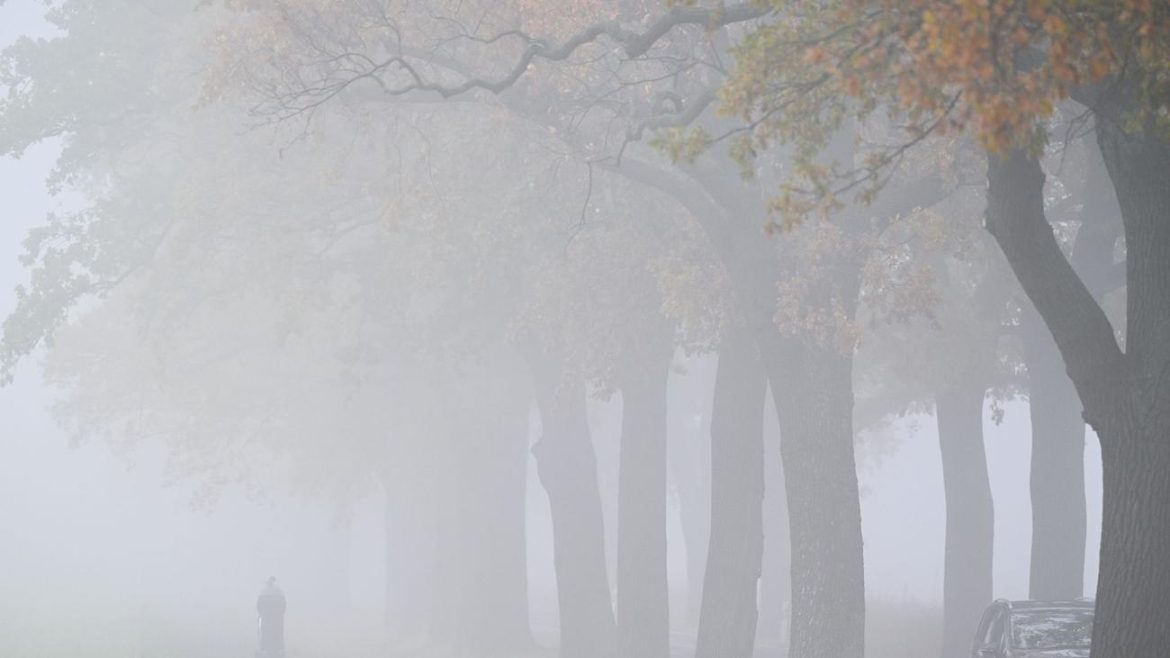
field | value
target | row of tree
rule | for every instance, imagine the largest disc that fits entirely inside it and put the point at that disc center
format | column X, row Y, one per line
column 450, row 209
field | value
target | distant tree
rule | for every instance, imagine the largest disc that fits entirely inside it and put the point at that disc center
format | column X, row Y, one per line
column 805, row 75
column 355, row 58
column 942, row 345
column 403, row 263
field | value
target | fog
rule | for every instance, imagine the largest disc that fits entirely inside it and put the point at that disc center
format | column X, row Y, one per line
column 591, row 330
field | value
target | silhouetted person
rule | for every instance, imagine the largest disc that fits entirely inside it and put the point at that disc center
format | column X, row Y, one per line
column 270, row 606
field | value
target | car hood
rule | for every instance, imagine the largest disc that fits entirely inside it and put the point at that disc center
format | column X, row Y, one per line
column 1054, row 653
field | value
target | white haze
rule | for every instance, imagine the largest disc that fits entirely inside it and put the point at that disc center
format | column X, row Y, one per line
column 99, row 557
column 100, row 550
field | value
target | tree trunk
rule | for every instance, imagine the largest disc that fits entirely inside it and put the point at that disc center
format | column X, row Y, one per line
column 643, row 608
column 1058, row 470
column 567, row 469
column 727, row 623
column 812, row 388
column 967, row 570
column 1133, row 592
column 492, row 599
column 813, row 393
column 1133, row 421
column 479, row 597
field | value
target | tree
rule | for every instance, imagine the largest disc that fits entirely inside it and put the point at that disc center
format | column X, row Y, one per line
column 944, row 347
column 806, row 74
column 428, row 276
column 1085, row 218
column 1008, row 70
column 735, row 217
column 727, row 625
column 642, row 614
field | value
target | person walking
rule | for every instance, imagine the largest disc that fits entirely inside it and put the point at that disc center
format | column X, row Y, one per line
column 270, row 607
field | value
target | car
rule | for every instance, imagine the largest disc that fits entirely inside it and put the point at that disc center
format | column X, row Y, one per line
column 1035, row 629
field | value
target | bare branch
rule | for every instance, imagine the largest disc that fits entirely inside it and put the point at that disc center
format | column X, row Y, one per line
column 345, row 69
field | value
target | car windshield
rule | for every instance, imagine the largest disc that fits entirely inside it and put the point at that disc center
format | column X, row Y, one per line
column 1051, row 629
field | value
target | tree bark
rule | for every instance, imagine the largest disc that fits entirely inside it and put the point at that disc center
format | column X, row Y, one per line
column 1133, row 421
column 1058, row 470
column 814, row 400
column 812, row 389
column 967, row 566
column 643, row 608
column 728, row 618
column 567, row 468
column 1133, row 592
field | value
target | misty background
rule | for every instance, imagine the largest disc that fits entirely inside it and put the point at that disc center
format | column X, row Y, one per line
column 101, row 554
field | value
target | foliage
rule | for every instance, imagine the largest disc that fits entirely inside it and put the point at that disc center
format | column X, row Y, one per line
column 256, row 290
column 993, row 70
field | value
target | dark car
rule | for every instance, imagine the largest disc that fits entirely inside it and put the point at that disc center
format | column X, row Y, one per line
column 1035, row 629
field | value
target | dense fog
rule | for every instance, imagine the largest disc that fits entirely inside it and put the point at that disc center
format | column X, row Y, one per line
column 591, row 329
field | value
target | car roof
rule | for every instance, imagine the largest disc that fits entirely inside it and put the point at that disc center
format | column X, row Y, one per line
column 1076, row 604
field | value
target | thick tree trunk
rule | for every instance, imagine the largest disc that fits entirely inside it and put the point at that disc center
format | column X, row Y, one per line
column 812, row 387
column 1133, row 423
column 1133, row 593
column 727, row 623
column 567, row 468
column 492, row 603
column 480, row 585
column 643, row 608
column 813, row 392
column 1058, row 470
column 967, row 567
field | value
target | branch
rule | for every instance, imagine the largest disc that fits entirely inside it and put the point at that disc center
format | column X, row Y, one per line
column 1015, row 217
column 744, row 253
column 708, row 213
column 633, row 45
column 684, row 114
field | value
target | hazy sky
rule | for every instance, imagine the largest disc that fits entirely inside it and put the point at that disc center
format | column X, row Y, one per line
column 78, row 519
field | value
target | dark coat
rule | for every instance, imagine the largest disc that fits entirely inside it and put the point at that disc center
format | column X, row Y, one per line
column 270, row 606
